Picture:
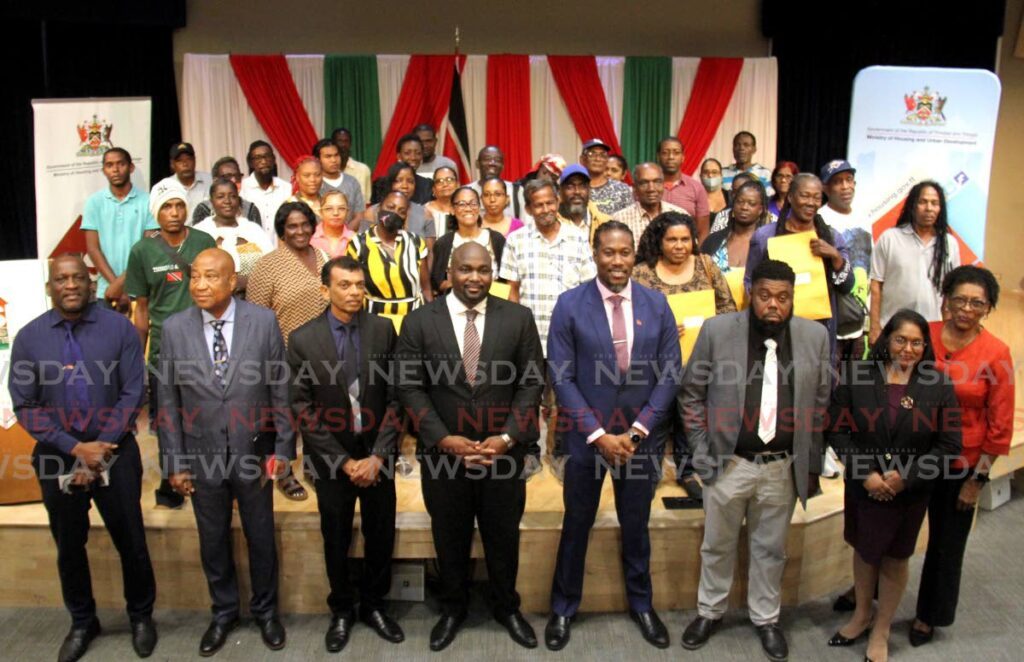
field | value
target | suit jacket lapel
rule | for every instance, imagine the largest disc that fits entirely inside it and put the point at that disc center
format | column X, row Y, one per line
column 912, row 392
column 239, row 340
column 640, row 315
column 198, row 337
column 599, row 320
column 446, row 334
column 742, row 340
column 881, row 403
column 365, row 340
column 492, row 331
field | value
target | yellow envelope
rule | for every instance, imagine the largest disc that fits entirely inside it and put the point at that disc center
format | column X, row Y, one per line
column 500, row 290
column 810, row 296
column 690, row 310
column 739, row 293
column 395, row 319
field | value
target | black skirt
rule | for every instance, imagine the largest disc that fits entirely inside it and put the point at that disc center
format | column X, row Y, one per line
column 876, row 529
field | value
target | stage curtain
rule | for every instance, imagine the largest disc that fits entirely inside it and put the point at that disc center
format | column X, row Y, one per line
column 426, row 92
column 580, row 88
column 709, row 99
column 647, row 101
column 552, row 127
column 474, row 96
column 352, row 101
column 753, row 108
column 390, row 74
column 612, row 72
column 308, row 75
column 269, row 88
column 508, row 111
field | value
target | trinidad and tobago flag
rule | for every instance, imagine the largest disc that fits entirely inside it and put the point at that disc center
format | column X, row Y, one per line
column 456, row 144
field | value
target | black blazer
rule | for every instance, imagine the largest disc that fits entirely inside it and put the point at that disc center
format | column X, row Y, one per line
column 921, row 442
column 443, row 251
column 433, row 389
column 320, row 401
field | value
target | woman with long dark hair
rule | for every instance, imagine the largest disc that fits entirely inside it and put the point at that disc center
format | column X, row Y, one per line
column 910, row 260
column 895, row 422
column 465, row 225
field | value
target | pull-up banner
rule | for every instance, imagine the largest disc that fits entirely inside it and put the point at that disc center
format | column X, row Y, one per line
column 71, row 136
column 909, row 124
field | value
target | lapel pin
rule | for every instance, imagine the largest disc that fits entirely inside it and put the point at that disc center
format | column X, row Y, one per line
column 639, row 322
column 907, row 402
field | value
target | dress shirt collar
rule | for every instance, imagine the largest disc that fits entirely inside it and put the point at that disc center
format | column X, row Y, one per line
column 337, row 325
column 456, row 307
column 626, row 293
column 228, row 316
column 88, row 315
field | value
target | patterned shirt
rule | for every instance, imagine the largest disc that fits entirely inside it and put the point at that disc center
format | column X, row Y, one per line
column 283, row 283
column 637, row 219
column 392, row 281
column 729, row 172
column 545, row 269
column 706, row 276
column 612, row 196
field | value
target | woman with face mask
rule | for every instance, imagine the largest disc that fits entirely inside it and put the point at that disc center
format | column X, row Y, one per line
column 401, row 178
column 711, row 178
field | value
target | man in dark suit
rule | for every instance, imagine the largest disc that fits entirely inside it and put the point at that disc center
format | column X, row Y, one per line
column 471, row 375
column 614, row 362
column 223, row 392
column 76, row 383
column 345, row 408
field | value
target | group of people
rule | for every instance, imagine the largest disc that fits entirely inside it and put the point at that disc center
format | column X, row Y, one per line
column 291, row 313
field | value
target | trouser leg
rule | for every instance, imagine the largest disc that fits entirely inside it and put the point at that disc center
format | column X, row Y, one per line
column 768, row 515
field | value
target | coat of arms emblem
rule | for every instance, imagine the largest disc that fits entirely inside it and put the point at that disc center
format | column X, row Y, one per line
column 924, row 107
column 95, row 137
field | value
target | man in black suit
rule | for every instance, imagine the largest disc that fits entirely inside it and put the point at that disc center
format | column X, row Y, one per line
column 471, row 375
column 346, row 410
column 222, row 389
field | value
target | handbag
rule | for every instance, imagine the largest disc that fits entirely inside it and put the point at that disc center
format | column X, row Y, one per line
column 850, row 315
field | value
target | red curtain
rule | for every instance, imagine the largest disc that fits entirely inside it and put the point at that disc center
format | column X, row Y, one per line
column 426, row 93
column 580, row 87
column 508, row 111
column 269, row 89
column 709, row 98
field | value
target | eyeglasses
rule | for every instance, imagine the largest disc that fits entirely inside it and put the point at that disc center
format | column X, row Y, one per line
column 466, row 204
column 445, row 180
column 900, row 342
column 977, row 305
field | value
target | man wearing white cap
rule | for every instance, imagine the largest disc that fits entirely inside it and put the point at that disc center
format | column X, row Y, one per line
column 157, row 280
column 610, row 195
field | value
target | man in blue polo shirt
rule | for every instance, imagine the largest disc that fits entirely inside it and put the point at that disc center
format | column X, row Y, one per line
column 114, row 219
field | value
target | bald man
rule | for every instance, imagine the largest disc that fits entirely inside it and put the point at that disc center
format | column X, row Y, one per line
column 222, row 386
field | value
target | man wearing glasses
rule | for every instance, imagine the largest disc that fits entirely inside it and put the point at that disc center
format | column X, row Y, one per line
column 608, row 194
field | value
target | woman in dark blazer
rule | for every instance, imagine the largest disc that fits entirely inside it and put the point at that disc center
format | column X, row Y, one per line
column 464, row 225
column 896, row 422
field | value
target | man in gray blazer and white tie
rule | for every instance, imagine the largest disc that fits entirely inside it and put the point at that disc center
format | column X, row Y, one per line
column 753, row 399
column 224, row 431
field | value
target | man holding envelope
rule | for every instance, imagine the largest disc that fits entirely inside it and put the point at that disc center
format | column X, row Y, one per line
column 818, row 255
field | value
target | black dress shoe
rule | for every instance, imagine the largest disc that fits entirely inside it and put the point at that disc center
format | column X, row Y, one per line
column 557, row 631
column 77, row 642
column 698, row 632
column 383, row 625
column 443, row 633
column 773, row 642
column 651, row 627
column 519, row 629
column 167, row 497
column 692, row 487
column 839, row 640
column 339, row 631
column 215, row 636
column 144, row 637
column 272, row 632
column 919, row 638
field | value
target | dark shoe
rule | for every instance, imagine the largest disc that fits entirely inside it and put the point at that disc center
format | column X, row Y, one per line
column 557, row 631
column 843, row 603
column 77, row 642
column 167, row 497
column 519, row 629
column 841, row 641
column 272, row 632
column 443, row 633
column 698, row 632
column 292, row 488
column 215, row 636
column 339, row 631
column 383, row 625
column 920, row 638
column 144, row 637
column 692, row 487
column 651, row 627
column 773, row 642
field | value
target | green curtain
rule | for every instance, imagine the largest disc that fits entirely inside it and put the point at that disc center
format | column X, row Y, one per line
column 645, row 107
column 352, row 100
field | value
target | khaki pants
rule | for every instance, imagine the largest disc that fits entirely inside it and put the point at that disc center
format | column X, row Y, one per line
column 764, row 494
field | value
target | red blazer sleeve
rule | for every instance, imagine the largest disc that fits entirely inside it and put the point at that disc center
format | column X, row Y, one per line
column 1000, row 405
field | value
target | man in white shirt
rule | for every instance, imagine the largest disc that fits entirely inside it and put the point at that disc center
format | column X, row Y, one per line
column 183, row 170
column 342, row 137
column 431, row 159
column 262, row 187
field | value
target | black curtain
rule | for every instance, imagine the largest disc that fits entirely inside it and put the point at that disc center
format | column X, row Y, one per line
column 820, row 54
column 93, row 51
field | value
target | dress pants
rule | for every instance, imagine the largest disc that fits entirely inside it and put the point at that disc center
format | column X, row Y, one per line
column 119, row 506
column 765, row 495
column 495, row 498
column 336, row 499
column 215, row 491
column 634, row 485
column 948, row 529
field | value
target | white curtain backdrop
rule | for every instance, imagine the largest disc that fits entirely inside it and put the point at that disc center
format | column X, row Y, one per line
column 612, row 72
column 551, row 128
column 390, row 74
column 308, row 74
column 684, row 72
column 474, row 97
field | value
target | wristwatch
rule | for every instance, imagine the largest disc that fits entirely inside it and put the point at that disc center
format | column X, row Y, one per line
column 635, row 437
column 509, row 441
column 981, row 479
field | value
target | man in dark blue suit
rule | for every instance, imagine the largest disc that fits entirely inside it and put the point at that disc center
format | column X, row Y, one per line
column 614, row 362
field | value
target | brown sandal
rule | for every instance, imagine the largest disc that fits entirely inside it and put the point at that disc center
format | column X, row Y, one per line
column 292, row 488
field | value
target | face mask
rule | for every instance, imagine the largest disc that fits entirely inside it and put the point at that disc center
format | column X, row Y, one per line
column 711, row 183
column 391, row 221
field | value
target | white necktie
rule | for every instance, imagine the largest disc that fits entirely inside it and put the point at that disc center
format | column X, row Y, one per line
column 769, row 394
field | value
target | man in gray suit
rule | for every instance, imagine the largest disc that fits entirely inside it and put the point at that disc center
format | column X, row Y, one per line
column 224, row 432
column 753, row 399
